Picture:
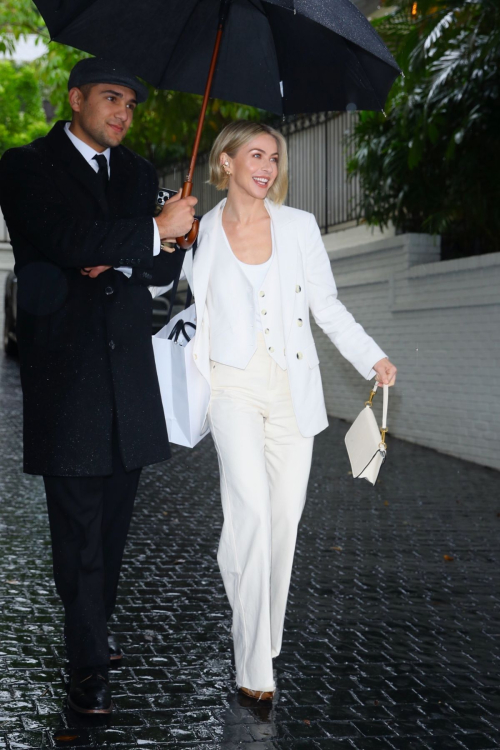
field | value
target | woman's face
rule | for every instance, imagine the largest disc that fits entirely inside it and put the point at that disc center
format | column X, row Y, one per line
column 254, row 168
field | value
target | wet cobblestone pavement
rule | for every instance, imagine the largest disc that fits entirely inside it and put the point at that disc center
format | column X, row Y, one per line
column 388, row 643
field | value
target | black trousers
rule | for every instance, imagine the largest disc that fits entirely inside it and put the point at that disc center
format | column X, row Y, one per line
column 89, row 521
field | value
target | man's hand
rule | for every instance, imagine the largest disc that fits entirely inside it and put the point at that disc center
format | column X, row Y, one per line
column 176, row 218
column 386, row 372
column 94, row 271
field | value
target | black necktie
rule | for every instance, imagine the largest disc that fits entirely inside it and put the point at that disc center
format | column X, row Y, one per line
column 103, row 170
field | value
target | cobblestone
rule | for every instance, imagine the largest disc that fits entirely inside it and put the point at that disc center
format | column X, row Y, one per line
column 388, row 644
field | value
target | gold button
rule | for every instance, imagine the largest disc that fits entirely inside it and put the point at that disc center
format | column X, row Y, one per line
column 299, row 322
column 271, row 348
column 267, row 330
column 300, row 355
column 298, row 288
column 264, row 312
column 262, row 294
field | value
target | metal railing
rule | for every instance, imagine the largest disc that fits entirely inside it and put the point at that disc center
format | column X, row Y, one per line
column 318, row 152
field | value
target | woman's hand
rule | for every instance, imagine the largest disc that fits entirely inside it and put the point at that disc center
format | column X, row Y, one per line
column 386, row 372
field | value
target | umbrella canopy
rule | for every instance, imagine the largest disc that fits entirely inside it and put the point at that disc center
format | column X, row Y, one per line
column 284, row 56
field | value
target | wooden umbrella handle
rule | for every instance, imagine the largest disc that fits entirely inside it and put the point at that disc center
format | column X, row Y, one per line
column 189, row 239
column 187, row 242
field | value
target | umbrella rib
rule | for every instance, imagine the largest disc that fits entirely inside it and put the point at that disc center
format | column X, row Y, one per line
column 261, row 10
column 177, row 43
column 264, row 13
column 365, row 74
column 73, row 18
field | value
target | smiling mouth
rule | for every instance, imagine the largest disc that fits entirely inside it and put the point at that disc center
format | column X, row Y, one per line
column 116, row 128
column 261, row 181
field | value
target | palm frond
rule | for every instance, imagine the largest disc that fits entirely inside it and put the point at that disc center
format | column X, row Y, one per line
column 438, row 30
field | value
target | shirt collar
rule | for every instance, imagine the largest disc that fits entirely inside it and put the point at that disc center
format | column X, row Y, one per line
column 86, row 151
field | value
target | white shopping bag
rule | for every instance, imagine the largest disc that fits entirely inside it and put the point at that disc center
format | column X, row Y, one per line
column 184, row 390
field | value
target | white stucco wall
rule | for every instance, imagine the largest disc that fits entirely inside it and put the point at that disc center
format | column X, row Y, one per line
column 439, row 323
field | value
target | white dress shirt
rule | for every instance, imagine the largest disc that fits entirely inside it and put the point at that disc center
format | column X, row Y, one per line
column 88, row 154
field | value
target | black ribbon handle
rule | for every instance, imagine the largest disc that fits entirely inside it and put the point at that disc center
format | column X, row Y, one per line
column 173, row 291
column 180, row 327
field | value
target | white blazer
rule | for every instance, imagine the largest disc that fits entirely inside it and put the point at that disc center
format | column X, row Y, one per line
column 306, row 283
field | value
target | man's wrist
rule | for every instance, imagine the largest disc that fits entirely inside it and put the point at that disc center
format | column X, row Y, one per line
column 162, row 228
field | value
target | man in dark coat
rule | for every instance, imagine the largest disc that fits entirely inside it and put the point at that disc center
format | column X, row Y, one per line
column 79, row 209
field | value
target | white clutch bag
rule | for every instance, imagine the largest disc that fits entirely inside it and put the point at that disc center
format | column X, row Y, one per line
column 365, row 441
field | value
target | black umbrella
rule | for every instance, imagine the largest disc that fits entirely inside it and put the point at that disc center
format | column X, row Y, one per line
column 284, row 56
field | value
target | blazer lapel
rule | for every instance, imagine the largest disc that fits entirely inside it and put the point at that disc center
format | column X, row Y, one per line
column 287, row 251
column 203, row 258
column 74, row 163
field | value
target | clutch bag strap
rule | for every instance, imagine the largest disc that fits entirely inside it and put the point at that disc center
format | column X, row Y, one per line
column 385, row 406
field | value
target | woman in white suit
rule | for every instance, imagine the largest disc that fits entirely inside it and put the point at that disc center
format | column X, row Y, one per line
column 259, row 269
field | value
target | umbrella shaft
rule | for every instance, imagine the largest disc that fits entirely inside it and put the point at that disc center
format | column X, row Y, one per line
column 206, row 96
column 215, row 55
column 224, row 7
column 188, row 241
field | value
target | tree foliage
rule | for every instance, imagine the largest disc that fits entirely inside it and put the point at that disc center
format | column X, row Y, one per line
column 164, row 127
column 432, row 163
column 23, row 117
column 18, row 18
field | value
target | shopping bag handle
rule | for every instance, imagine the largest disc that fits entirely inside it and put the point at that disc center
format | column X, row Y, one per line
column 180, row 327
column 173, row 292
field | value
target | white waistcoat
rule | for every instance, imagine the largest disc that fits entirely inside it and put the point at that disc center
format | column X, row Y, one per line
column 231, row 309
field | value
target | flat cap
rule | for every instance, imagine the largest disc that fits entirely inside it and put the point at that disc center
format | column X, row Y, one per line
column 98, row 70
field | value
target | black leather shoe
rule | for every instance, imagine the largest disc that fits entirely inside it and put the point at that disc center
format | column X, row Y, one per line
column 89, row 692
column 115, row 651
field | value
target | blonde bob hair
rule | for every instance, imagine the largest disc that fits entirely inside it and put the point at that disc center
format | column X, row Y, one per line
column 231, row 139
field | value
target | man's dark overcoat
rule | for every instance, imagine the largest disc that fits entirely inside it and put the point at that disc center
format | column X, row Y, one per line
column 85, row 344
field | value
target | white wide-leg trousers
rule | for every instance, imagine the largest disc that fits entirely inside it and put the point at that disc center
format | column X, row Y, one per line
column 264, row 466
